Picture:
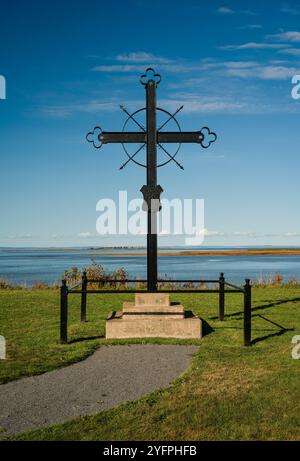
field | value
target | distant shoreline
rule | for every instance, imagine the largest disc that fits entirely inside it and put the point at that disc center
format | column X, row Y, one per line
column 94, row 252
column 258, row 252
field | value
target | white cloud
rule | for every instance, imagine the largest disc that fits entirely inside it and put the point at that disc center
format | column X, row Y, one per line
column 289, row 10
column 291, row 51
column 276, row 72
column 142, row 57
column 194, row 103
column 86, row 235
column 119, row 68
column 208, row 233
column 250, row 234
column 175, row 67
column 245, row 234
column 23, row 237
column 242, row 73
column 90, row 106
column 215, row 65
column 209, row 73
column 224, row 10
column 164, row 232
column 254, row 46
column 290, row 36
column 250, row 26
column 248, row 12
column 278, row 61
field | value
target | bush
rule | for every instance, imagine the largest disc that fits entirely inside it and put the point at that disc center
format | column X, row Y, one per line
column 40, row 286
column 96, row 272
column 275, row 281
column 293, row 281
column 72, row 276
column 5, row 285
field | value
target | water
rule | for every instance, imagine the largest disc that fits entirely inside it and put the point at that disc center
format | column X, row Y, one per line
column 26, row 266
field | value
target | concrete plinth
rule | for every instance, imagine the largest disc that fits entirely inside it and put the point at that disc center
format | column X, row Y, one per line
column 152, row 316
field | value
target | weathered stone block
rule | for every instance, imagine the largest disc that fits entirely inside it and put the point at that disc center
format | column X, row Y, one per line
column 172, row 311
column 152, row 299
column 119, row 327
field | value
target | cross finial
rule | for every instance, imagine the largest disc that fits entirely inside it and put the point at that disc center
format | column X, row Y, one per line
column 150, row 77
column 207, row 137
column 95, row 137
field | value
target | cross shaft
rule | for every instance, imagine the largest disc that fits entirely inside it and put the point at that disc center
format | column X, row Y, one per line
column 151, row 184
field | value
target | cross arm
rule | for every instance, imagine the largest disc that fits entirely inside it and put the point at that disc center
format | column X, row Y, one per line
column 204, row 137
column 122, row 137
column 179, row 137
column 107, row 137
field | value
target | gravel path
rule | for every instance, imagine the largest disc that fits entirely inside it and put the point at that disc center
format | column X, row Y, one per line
column 113, row 374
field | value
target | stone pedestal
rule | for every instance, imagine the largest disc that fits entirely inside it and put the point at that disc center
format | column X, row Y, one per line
column 153, row 316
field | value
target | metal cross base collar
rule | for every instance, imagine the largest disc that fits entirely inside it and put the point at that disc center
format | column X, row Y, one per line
column 151, row 196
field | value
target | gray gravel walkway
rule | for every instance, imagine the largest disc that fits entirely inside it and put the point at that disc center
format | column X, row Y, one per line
column 113, row 374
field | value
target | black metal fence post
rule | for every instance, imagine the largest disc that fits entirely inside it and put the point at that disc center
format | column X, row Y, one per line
column 221, row 296
column 64, row 312
column 83, row 297
column 247, row 313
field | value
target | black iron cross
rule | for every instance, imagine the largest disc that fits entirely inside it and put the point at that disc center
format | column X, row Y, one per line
column 151, row 136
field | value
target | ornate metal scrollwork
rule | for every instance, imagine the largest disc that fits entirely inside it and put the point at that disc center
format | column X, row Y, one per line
column 150, row 76
column 151, row 196
column 208, row 138
column 94, row 137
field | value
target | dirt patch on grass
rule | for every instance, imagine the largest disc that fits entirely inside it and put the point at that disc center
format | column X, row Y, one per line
column 229, row 381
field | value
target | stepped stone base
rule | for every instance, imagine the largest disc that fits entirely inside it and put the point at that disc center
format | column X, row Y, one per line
column 152, row 316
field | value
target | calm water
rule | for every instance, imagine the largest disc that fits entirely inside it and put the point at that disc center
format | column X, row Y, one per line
column 27, row 265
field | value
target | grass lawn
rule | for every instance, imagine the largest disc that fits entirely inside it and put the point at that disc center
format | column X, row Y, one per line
column 230, row 393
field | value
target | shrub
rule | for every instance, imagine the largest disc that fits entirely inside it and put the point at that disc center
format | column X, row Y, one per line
column 277, row 280
column 95, row 271
column 293, row 281
column 40, row 286
column 4, row 284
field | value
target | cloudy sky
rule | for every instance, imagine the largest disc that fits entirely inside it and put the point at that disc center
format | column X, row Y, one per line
column 68, row 67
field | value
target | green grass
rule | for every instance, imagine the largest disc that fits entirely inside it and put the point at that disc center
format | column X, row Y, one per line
column 230, row 392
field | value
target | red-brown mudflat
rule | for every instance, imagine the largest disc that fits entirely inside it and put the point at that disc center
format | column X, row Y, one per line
column 237, row 252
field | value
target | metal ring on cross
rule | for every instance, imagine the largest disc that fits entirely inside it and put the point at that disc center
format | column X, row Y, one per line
column 170, row 156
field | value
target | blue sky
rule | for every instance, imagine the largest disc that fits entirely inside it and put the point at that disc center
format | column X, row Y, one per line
column 68, row 66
